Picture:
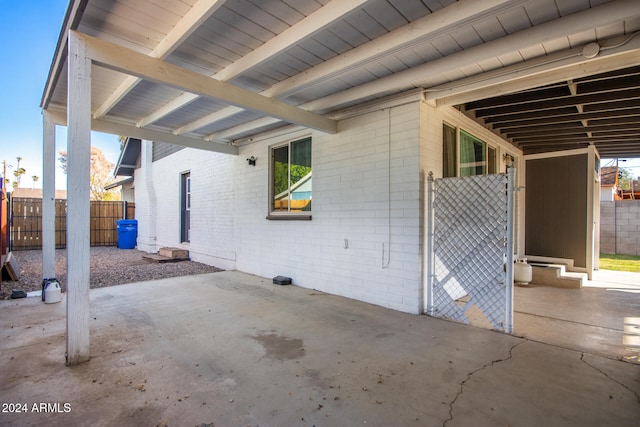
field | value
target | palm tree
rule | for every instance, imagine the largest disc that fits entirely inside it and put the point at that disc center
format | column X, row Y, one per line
column 35, row 179
column 18, row 172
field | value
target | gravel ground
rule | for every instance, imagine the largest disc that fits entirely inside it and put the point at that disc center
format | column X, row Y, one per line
column 109, row 266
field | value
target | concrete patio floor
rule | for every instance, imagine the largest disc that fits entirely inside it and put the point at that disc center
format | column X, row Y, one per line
column 602, row 318
column 231, row 349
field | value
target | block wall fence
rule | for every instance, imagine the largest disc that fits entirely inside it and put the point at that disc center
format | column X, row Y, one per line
column 620, row 227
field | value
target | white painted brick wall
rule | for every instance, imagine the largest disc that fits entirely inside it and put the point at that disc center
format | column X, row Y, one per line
column 350, row 201
column 212, row 219
column 368, row 188
column 355, row 197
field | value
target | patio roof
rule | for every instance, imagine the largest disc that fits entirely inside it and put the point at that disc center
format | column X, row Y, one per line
column 210, row 74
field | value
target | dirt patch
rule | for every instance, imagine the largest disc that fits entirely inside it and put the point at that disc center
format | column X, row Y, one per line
column 281, row 347
column 109, row 266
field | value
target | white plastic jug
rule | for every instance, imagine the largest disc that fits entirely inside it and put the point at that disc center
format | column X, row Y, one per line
column 52, row 293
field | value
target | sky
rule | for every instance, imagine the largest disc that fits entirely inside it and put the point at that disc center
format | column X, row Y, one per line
column 30, row 30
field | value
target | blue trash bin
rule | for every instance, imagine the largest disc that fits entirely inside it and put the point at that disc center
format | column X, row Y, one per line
column 127, row 233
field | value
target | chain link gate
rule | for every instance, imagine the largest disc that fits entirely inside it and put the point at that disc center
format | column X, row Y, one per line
column 470, row 249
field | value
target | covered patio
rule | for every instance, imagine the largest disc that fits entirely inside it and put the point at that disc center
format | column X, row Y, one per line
column 233, row 349
column 213, row 75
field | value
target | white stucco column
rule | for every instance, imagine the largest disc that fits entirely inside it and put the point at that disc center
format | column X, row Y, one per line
column 78, row 204
column 48, row 196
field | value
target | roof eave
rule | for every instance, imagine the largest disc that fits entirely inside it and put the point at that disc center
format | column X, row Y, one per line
column 72, row 17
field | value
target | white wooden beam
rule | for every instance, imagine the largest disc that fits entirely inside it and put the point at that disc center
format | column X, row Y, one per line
column 229, row 134
column 553, row 68
column 48, row 196
column 429, row 27
column 116, row 128
column 153, row 135
column 208, row 119
column 308, row 26
column 78, row 204
column 199, row 13
column 321, row 18
column 190, row 22
column 127, row 61
column 417, row 32
column 175, row 104
column 606, row 14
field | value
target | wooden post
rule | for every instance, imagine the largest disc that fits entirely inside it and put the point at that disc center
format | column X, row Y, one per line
column 4, row 218
column 48, row 197
column 78, row 204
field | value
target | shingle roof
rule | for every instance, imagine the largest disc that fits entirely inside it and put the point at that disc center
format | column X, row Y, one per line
column 609, row 175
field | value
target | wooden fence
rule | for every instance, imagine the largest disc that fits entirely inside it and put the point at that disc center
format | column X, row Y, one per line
column 26, row 222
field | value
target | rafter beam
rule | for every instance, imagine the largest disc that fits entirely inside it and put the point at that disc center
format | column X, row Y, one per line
column 533, row 73
column 209, row 118
column 550, row 69
column 318, row 20
column 199, row 13
column 429, row 27
column 99, row 125
column 414, row 33
column 176, row 103
column 121, row 59
column 567, row 118
column 605, row 14
column 232, row 133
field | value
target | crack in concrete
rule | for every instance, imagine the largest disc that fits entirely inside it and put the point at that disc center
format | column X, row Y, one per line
column 608, row 377
column 471, row 374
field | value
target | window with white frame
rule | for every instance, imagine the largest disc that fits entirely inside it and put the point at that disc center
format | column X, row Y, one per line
column 473, row 155
column 463, row 154
column 291, row 180
column 449, row 156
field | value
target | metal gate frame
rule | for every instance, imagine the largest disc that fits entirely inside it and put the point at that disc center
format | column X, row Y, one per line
column 445, row 297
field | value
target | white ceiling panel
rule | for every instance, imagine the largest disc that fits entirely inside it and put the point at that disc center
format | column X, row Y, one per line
column 374, row 50
column 542, row 11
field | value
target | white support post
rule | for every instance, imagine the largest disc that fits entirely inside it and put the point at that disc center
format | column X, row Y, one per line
column 48, row 197
column 430, row 255
column 78, row 204
column 593, row 206
column 511, row 191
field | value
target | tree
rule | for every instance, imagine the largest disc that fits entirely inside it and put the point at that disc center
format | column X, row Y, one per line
column 35, row 179
column 18, row 172
column 625, row 176
column 100, row 174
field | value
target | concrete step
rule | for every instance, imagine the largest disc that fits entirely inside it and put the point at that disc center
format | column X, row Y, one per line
column 556, row 275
